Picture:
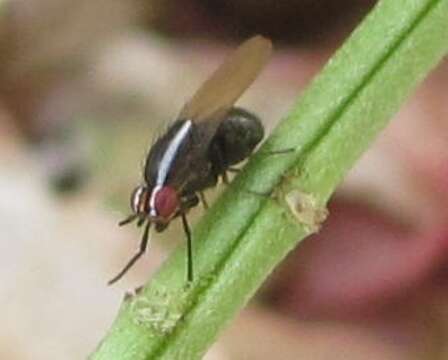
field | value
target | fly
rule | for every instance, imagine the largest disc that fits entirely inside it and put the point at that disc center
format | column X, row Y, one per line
column 209, row 136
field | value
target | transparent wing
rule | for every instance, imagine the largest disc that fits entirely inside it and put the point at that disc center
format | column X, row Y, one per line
column 229, row 81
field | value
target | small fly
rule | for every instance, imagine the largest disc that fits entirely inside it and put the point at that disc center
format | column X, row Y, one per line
column 209, row 136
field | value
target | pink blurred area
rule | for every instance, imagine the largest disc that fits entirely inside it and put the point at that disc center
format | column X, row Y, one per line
column 84, row 88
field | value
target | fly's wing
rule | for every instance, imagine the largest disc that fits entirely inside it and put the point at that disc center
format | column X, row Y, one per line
column 207, row 107
column 228, row 82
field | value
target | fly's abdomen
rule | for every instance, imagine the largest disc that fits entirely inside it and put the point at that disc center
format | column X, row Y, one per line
column 235, row 139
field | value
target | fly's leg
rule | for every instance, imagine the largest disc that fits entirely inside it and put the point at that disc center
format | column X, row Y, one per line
column 141, row 221
column 225, row 178
column 234, row 170
column 203, row 200
column 133, row 260
column 128, row 220
column 189, row 248
column 278, row 152
column 188, row 201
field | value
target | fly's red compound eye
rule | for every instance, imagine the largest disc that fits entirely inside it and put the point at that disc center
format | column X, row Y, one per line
column 166, row 201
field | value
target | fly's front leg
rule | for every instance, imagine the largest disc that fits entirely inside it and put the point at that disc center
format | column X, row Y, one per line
column 138, row 255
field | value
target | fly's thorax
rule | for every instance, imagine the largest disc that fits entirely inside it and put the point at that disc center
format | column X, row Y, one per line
column 166, row 152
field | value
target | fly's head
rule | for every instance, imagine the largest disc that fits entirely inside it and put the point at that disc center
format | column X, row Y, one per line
column 154, row 206
column 158, row 205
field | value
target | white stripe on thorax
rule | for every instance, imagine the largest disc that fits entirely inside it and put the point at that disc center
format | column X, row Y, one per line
column 171, row 152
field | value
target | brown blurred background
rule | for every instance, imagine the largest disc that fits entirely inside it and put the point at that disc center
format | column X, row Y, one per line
column 85, row 86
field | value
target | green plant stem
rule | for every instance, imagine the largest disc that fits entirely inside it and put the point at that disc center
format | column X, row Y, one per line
column 243, row 237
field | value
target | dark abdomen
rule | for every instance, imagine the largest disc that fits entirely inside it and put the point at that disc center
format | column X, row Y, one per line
column 235, row 139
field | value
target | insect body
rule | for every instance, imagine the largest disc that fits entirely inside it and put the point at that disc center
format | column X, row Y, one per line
column 208, row 137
